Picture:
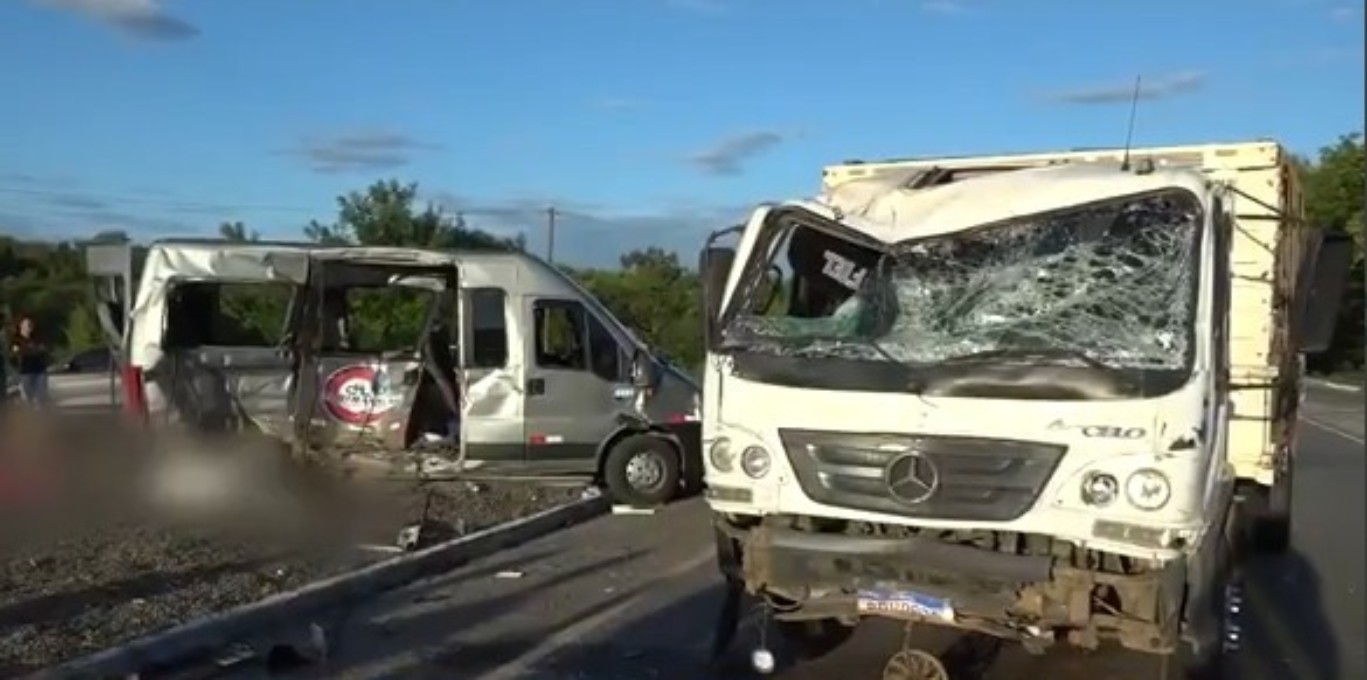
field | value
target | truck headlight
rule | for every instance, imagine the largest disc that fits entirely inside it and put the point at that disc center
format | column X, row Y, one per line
column 1100, row 489
column 1148, row 489
column 755, row 462
column 720, row 455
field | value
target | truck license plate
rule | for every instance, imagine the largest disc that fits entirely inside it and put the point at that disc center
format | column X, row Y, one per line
column 903, row 604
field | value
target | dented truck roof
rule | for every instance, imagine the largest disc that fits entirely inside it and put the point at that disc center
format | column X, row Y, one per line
column 887, row 207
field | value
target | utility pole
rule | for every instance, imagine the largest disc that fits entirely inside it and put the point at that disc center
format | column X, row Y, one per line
column 550, row 234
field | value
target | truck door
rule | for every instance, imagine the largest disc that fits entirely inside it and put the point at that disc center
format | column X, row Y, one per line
column 492, row 428
column 365, row 341
column 576, row 383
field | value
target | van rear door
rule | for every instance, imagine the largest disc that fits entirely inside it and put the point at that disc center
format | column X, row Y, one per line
column 227, row 360
column 111, row 269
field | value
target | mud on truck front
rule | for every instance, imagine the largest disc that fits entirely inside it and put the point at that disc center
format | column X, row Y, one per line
column 999, row 404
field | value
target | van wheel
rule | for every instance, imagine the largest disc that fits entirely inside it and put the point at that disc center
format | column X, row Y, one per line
column 642, row 470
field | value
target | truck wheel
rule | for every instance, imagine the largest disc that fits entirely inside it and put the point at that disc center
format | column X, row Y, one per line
column 1270, row 527
column 1214, row 658
column 642, row 471
column 1216, row 662
column 814, row 639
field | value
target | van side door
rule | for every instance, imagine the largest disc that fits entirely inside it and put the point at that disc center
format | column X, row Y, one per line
column 364, row 347
column 491, row 425
column 576, row 383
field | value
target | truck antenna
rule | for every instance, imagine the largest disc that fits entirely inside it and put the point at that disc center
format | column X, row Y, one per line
column 1129, row 129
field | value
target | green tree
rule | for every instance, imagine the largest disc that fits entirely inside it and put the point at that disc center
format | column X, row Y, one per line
column 237, row 232
column 1334, row 186
column 657, row 297
column 389, row 213
column 82, row 329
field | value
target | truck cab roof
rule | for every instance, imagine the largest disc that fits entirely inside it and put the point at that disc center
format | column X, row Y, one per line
column 890, row 207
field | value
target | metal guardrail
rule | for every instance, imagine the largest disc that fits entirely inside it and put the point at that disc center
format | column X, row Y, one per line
column 75, row 390
column 294, row 609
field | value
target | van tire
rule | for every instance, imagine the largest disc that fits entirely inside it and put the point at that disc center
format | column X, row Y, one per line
column 642, row 471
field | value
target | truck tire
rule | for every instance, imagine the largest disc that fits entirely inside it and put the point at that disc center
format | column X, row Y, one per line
column 1214, row 659
column 1216, row 663
column 1270, row 526
column 642, row 471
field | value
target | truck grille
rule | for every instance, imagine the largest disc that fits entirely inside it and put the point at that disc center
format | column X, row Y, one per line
column 934, row 477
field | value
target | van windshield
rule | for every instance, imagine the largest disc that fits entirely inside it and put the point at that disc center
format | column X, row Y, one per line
column 1110, row 284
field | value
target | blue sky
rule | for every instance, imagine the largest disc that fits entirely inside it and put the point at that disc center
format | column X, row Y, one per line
column 643, row 121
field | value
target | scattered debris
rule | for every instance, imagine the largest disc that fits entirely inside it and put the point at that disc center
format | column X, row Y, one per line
column 510, row 574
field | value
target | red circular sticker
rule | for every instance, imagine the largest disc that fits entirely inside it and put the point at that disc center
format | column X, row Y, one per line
column 359, row 394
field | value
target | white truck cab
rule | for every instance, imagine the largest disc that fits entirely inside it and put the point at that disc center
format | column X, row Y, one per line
column 998, row 394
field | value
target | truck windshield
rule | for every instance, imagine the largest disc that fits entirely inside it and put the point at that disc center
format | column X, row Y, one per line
column 1109, row 285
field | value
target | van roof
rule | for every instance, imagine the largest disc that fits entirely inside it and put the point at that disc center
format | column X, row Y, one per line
column 467, row 255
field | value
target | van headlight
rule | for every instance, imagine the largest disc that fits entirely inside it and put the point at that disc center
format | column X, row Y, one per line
column 720, row 455
column 1148, row 489
column 755, row 462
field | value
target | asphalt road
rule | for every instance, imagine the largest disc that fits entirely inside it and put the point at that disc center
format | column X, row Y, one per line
column 635, row 597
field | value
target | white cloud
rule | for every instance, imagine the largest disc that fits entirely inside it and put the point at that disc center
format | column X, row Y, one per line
column 141, row 19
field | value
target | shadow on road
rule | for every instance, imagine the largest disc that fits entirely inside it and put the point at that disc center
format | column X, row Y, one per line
column 672, row 641
column 1287, row 634
column 425, row 639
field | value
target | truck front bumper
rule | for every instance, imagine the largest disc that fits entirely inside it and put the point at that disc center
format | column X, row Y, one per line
column 817, row 576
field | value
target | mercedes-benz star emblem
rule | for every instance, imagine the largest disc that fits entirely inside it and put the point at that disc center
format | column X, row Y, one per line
column 911, row 478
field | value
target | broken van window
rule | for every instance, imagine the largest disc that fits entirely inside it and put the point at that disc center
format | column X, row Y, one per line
column 227, row 314
column 560, row 334
column 1113, row 282
column 370, row 320
column 488, row 328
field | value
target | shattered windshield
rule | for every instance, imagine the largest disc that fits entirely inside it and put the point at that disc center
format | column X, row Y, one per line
column 1103, row 285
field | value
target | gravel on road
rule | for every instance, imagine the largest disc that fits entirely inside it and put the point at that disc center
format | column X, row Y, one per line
column 103, row 581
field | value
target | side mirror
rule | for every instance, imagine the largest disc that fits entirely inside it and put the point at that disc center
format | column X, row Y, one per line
column 1320, row 292
column 645, row 373
column 714, row 268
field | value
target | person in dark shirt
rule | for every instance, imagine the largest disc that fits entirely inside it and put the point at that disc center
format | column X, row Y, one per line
column 4, row 379
column 31, row 358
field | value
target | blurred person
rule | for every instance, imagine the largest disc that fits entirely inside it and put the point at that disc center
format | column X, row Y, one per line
column 4, row 379
column 31, row 357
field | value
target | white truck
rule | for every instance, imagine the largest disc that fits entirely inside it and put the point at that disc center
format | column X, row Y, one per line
column 1018, row 395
